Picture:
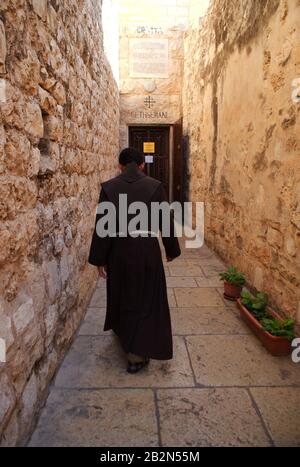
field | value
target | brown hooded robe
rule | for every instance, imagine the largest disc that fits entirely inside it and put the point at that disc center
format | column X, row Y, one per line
column 137, row 302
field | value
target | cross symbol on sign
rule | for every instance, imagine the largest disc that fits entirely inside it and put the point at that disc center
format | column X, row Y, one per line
column 149, row 101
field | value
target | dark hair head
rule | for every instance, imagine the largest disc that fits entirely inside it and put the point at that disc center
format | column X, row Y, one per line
column 130, row 155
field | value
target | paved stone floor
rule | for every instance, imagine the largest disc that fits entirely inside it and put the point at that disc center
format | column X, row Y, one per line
column 221, row 389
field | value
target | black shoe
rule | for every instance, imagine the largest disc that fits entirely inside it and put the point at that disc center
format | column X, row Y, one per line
column 135, row 367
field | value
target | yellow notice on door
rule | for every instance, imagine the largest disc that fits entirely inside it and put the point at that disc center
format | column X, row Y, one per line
column 149, row 148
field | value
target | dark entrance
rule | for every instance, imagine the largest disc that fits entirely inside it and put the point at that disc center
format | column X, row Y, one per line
column 160, row 136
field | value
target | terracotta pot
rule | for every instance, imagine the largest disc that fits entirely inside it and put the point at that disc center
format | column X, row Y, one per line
column 276, row 345
column 231, row 291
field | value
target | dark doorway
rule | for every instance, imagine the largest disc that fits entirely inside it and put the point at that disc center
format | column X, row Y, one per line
column 158, row 153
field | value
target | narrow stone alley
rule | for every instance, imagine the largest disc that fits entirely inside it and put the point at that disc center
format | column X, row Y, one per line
column 208, row 93
column 221, row 389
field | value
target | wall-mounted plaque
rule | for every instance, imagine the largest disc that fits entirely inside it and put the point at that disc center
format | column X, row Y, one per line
column 149, row 159
column 148, row 58
column 149, row 148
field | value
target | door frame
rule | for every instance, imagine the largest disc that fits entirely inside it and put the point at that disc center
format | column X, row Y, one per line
column 171, row 148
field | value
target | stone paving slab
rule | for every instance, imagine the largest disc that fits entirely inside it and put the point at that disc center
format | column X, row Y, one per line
column 212, row 270
column 239, row 361
column 167, row 272
column 93, row 323
column 206, row 320
column 222, row 387
column 108, row 417
column 280, row 409
column 203, row 252
column 181, row 282
column 212, row 261
column 99, row 297
column 187, row 271
column 101, row 283
column 191, row 297
column 192, row 255
column 171, row 297
column 99, row 362
column 208, row 281
column 176, row 262
column 209, row 417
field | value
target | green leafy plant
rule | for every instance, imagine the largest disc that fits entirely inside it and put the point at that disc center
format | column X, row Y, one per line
column 257, row 305
column 280, row 328
column 233, row 276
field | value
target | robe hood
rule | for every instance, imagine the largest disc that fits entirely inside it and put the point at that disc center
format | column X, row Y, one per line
column 132, row 173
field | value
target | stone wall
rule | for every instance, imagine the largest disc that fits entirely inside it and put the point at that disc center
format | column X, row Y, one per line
column 151, row 62
column 58, row 140
column 242, row 139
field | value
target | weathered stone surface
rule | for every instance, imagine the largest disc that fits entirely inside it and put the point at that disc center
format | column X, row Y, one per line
column 46, row 369
column 171, row 297
column 157, row 73
column 34, row 162
column 192, row 271
column 181, row 282
column 47, row 102
column 6, row 332
column 58, row 141
column 52, row 279
column 47, row 166
column 51, row 318
column 7, row 398
column 279, row 409
column 206, row 320
column 99, row 298
column 93, row 323
column 40, row 8
column 18, row 196
column 186, row 413
column 2, row 142
column 53, row 128
column 2, row 47
column 23, row 316
column 29, row 400
column 242, row 147
column 208, row 281
column 212, row 270
column 96, row 418
column 194, row 297
column 209, row 417
column 58, row 91
column 99, row 362
column 53, row 100
column 34, row 121
column 238, row 361
column 10, row 434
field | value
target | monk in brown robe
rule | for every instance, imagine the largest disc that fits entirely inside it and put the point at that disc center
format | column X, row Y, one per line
column 137, row 302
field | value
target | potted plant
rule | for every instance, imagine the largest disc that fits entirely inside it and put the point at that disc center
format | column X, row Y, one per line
column 233, row 283
column 274, row 332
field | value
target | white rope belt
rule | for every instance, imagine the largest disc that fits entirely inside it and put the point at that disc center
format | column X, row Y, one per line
column 139, row 232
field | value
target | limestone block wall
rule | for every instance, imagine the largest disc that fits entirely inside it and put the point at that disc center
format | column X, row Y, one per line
column 59, row 121
column 242, row 139
column 151, row 62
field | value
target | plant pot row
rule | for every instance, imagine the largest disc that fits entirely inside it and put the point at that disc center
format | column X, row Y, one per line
column 276, row 345
column 233, row 285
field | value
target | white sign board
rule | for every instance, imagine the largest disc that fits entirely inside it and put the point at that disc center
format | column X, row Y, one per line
column 148, row 58
column 149, row 159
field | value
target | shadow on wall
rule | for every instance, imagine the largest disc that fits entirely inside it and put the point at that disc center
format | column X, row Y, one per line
column 186, row 175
